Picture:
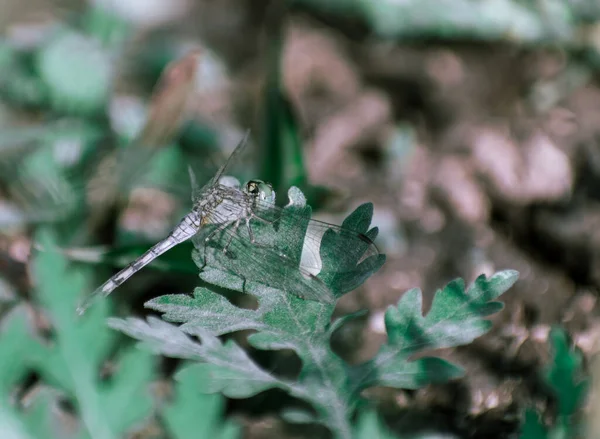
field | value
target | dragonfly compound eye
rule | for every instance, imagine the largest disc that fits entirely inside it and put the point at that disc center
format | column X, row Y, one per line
column 266, row 192
column 253, row 187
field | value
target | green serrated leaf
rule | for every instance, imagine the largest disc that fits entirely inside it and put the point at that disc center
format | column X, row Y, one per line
column 257, row 272
column 41, row 415
column 564, row 378
column 564, row 374
column 532, row 427
column 369, row 426
column 285, row 321
column 130, row 383
column 456, row 317
column 16, row 347
column 193, row 414
column 80, row 345
column 236, row 375
column 345, row 278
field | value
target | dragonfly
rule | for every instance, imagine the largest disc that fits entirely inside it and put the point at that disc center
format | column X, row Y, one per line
column 228, row 214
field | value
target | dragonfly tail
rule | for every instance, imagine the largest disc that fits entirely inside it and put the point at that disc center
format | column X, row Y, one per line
column 184, row 231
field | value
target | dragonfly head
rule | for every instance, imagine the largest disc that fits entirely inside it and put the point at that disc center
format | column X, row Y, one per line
column 263, row 191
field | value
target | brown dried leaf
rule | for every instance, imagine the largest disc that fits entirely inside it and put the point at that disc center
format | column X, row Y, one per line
column 170, row 102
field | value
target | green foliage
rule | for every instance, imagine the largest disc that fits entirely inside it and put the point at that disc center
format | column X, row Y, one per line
column 533, row 428
column 563, row 376
column 455, row 318
column 81, row 346
column 18, row 348
column 77, row 71
column 69, row 364
column 69, row 70
column 13, row 351
column 284, row 321
column 487, row 20
column 369, row 426
column 105, row 26
column 18, row 82
column 182, row 416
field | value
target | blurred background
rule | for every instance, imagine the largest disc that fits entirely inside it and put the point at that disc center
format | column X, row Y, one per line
column 473, row 127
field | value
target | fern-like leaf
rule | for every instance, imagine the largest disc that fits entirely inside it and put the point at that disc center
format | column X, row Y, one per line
column 284, row 321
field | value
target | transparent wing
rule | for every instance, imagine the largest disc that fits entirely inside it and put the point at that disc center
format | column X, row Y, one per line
column 197, row 190
column 286, row 249
column 322, row 241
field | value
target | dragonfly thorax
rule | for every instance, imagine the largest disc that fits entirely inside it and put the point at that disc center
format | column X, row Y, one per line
column 223, row 204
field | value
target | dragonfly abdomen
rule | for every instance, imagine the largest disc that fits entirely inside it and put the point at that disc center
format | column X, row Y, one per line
column 186, row 228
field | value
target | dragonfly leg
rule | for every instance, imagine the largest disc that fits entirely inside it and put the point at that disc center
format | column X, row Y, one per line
column 235, row 227
column 217, row 230
column 266, row 221
column 213, row 233
column 251, row 235
column 249, row 230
